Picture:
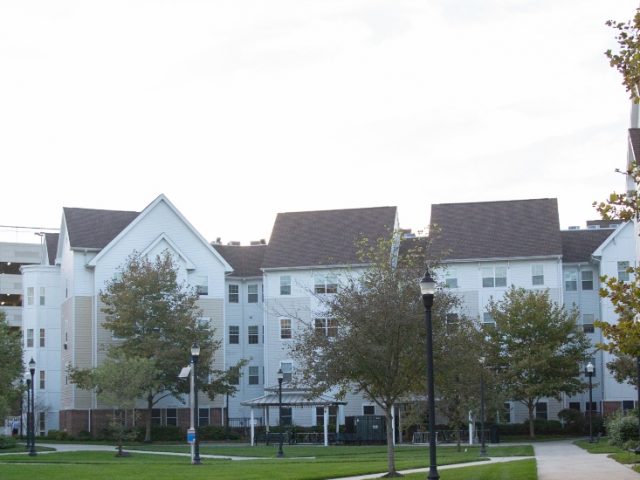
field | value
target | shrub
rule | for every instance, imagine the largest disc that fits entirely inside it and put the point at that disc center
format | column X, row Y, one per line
column 622, row 428
column 159, row 433
column 212, row 432
column 84, row 435
column 58, row 435
column 7, row 442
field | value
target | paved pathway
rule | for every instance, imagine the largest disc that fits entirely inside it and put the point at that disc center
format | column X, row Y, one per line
column 565, row 461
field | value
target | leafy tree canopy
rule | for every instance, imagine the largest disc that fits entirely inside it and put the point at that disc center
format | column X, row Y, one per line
column 11, row 367
column 536, row 346
column 627, row 57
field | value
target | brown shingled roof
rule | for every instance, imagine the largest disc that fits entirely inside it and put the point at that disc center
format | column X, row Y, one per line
column 245, row 260
column 515, row 228
column 94, row 229
column 326, row 237
column 579, row 245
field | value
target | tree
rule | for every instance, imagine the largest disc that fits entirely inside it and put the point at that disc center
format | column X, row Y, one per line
column 536, row 347
column 119, row 381
column 11, row 367
column 157, row 318
column 378, row 336
column 627, row 59
column 460, row 345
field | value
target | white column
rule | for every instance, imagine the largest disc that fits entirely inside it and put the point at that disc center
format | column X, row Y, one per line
column 326, row 426
column 253, row 429
column 470, row 428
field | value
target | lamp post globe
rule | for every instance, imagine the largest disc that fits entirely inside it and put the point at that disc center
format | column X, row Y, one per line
column 589, row 369
column 195, row 354
column 32, row 443
column 280, row 378
column 428, row 290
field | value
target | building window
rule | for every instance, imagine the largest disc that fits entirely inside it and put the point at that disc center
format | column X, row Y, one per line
column 172, row 416
column 42, row 296
column 325, row 283
column 254, row 375
column 326, row 326
column 30, row 294
column 252, row 293
column 234, row 293
column 541, row 410
column 287, row 371
column 627, row 405
column 234, row 334
column 285, row 285
column 537, row 274
column 494, row 276
column 587, row 279
column 487, row 319
column 253, row 335
column 623, row 274
column 507, row 412
column 368, row 410
column 234, row 378
column 593, row 406
column 451, row 278
column 203, row 417
column 287, row 416
column 574, row 406
column 42, row 422
column 42, row 379
column 333, row 415
column 202, row 284
column 42, row 338
column 29, row 337
column 452, row 319
column 587, row 323
column 285, row 328
column 156, row 416
column 571, row 280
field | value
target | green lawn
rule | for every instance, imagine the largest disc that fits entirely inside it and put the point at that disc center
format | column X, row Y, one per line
column 343, row 461
column 21, row 448
column 598, row 447
column 520, row 470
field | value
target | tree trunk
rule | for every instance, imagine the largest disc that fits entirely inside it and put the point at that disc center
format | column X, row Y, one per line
column 531, row 406
column 147, row 433
column 391, row 459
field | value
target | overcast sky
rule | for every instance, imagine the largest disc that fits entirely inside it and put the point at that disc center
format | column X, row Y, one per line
column 237, row 110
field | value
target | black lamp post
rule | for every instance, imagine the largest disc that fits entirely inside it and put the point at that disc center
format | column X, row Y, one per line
column 483, row 445
column 280, row 378
column 28, row 413
column 21, row 404
column 195, row 353
column 428, row 289
column 589, row 373
column 32, row 444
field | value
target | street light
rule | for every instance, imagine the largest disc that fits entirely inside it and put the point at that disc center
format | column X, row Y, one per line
column 195, row 353
column 483, row 445
column 28, row 382
column 589, row 373
column 280, row 378
column 428, row 289
column 32, row 444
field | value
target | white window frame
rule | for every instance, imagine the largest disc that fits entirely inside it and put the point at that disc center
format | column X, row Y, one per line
column 327, row 326
column 252, row 296
column 30, row 295
column 492, row 278
column 42, row 341
column 30, row 338
column 42, row 296
column 537, row 274
column 234, row 293
column 235, row 335
column 583, row 280
column 286, row 332
column 253, row 335
column 487, row 319
column 325, row 283
column 623, row 275
column 254, row 375
column 570, row 277
column 42, row 379
column 285, row 284
column 451, row 278
column 287, row 371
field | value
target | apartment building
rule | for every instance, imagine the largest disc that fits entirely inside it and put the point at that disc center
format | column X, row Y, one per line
column 13, row 256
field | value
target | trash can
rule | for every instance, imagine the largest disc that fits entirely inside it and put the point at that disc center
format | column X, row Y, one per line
column 494, row 434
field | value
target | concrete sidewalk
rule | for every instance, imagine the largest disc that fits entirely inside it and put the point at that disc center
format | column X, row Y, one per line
column 565, row 461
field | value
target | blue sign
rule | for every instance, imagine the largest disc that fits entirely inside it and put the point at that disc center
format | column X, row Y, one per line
column 191, row 435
